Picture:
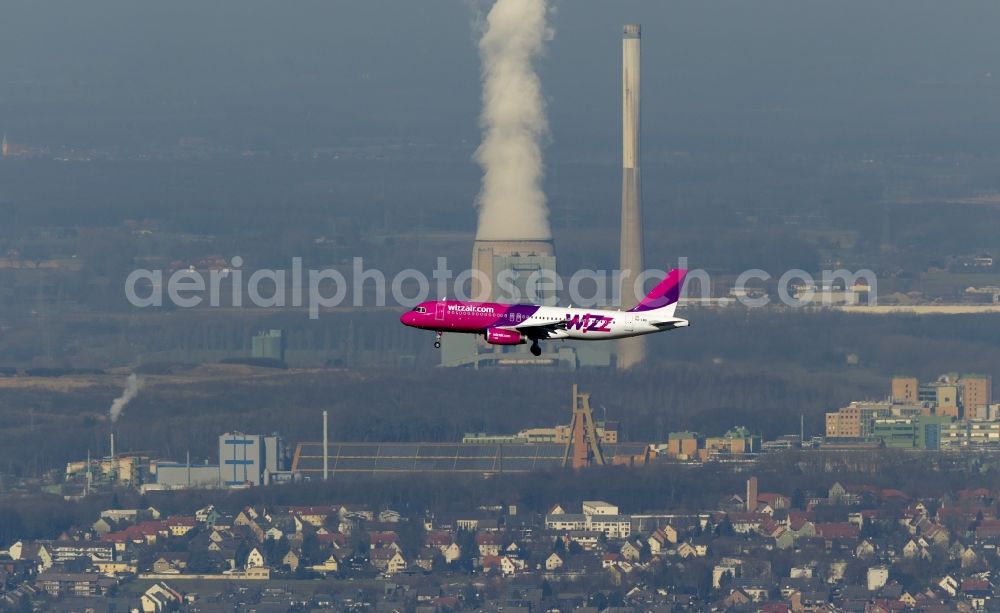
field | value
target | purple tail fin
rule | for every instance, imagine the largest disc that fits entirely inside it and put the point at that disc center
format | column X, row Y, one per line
column 665, row 294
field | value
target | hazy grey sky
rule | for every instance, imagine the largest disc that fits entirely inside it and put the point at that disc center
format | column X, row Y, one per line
column 746, row 73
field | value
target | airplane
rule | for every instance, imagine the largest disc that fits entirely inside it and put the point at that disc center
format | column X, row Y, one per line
column 518, row 324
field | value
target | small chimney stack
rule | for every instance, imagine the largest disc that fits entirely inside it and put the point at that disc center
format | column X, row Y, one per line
column 752, row 494
column 326, row 447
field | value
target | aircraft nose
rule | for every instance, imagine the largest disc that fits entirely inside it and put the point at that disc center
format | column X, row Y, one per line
column 406, row 318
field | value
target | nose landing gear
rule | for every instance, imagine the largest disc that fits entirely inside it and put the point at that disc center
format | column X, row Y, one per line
column 437, row 340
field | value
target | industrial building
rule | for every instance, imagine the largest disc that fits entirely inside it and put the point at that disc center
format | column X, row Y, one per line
column 248, row 459
column 269, row 344
column 693, row 446
column 580, row 445
column 176, row 475
column 390, row 458
column 607, row 433
column 244, row 460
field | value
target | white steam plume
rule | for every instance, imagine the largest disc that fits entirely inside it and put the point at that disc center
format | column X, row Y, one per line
column 132, row 386
column 511, row 201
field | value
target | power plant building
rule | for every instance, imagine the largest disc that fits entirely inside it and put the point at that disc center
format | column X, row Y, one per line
column 248, row 459
column 177, row 475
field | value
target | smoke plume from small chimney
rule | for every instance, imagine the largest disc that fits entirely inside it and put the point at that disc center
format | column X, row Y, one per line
column 132, row 386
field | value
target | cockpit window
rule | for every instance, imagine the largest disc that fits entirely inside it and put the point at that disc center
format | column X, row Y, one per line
column 419, row 309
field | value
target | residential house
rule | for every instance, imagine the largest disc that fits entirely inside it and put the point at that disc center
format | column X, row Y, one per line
column 630, row 551
column 315, row 516
column 565, row 522
column 58, row 584
column 613, row 526
column 425, row 558
column 553, row 562
column 255, row 559
column 586, row 539
column 489, row 543
column 691, row 549
column 180, row 526
column 160, row 597
column 510, row 565
column 380, row 540
column 388, row 560
column 171, row 562
column 328, row 566
column 292, row 559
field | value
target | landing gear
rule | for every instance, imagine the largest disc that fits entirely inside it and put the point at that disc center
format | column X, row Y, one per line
column 437, row 340
column 535, row 349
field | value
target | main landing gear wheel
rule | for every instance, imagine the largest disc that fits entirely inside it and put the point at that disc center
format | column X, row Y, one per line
column 535, row 349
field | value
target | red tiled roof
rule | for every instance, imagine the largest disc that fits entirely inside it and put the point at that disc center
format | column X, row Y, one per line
column 446, row 601
column 488, row 538
column 981, row 492
column 797, row 519
column 331, row 538
column 770, row 498
column 313, row 510
column 893, row 493
column 975, row 585
column 490, row 561
column 837, row 530
column 744, row 517
column 438, row 539
column 889, row 605
column 988, row 527
column 382, row 538
column 150, row 527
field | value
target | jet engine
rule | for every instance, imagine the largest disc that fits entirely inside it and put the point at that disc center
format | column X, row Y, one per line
column 499, row 336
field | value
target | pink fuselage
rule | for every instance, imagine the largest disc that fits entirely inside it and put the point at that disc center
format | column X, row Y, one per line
column 534, row 320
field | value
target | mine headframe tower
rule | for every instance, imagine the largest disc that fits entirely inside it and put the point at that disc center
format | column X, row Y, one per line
column 583, row 447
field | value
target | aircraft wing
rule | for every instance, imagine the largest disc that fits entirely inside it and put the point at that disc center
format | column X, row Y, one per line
column 543, row 331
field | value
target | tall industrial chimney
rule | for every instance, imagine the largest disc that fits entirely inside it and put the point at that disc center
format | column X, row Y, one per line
column 631, row 351
column 326, row 447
